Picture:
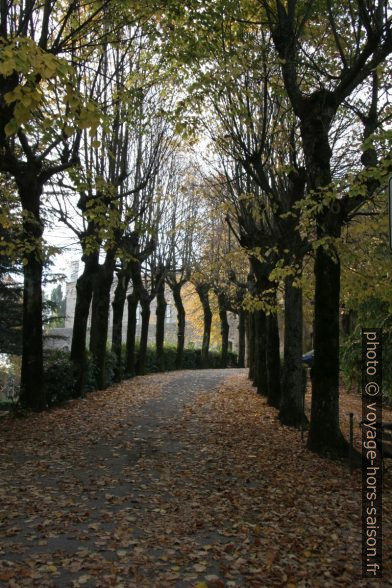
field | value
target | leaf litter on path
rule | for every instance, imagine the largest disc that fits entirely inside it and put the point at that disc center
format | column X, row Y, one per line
column 176, row 480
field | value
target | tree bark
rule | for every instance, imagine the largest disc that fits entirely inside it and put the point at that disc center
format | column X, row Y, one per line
column 316, row 111
column 260, row 349
column 142, row 355
column 273, row 360
column 202, row 291
column 118, row 304
column 100, row 318
column 261, row 272
column 180, row 324
column 250, row 333
column 325, row 435
column 241, row 338
column 224, row 328
column 160, row 324
column 130, row 359
column 324, row 432
column 84, row 292
column 291, row 409
column 32, row 390
column 145, row 301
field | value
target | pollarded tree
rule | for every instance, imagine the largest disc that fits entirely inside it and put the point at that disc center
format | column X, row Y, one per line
column 252, row 224
column 153, row 138
column 130, row 251
column 112, row 181
column 172, row 176
column 162, row 252
column 263, row 189
column 148, row 274
column 203, row 288
column 140, row 245
column 326, row 51
column 39, row 108
column 287, row 188
column 323, row 62
column 254, row 132
column 95, row 216
column 183, row 226
column 214, row 259
column 222, row 263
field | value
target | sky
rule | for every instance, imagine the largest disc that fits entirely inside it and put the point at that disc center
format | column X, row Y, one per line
column 60, row 236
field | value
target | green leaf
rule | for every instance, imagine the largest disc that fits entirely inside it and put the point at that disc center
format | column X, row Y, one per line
column 11, row 127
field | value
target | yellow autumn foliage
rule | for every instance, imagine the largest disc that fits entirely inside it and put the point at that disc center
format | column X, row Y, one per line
column 194, row 313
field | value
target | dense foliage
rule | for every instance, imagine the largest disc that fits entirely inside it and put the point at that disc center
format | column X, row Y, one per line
column 235, row 146
column 373, row 313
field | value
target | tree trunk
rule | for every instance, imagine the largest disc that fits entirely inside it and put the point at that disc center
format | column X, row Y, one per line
column 32, row 389
column 84, row 292
column 100, row 318
column 261, row 272
column 202, row 290
column 180, row 325
column 260, row 349
column 291, row 408
column 241, row 338
column 142, row 355
column 130, row 360
column 273, row 360
column 250, row 333
column 224, row 328
column 324, row 434
column 118, row 304
column 160, row 326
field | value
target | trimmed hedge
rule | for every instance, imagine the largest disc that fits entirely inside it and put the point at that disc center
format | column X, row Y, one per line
column 58, row 377
column 191, row 359
column 58, row 370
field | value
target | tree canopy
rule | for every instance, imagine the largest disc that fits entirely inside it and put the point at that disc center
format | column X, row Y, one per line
column 242, row 147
